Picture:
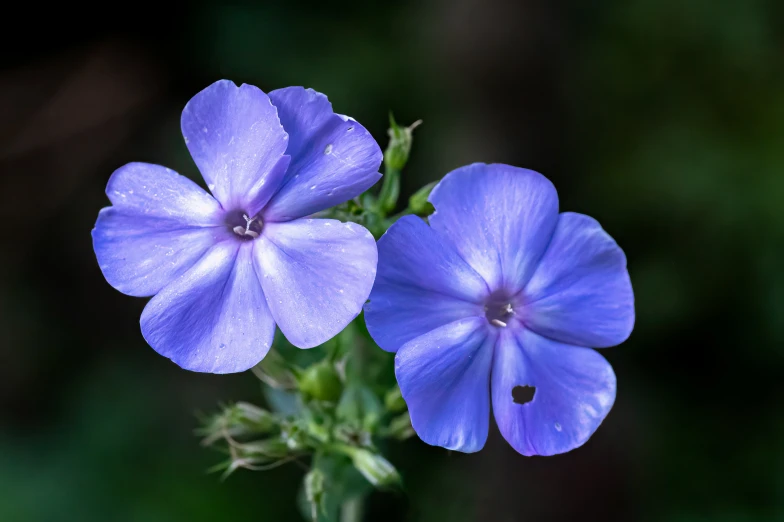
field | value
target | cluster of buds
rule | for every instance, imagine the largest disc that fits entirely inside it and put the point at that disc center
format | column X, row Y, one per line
column 317, row 418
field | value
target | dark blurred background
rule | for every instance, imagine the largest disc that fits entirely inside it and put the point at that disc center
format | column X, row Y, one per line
column 664, row 119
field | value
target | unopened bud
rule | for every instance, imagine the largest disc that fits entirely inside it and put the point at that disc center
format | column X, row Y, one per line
column 321, row 382
column 257, row 419
column 418, row 203
column 375, row 468
column 315, row 492
column 400, row 140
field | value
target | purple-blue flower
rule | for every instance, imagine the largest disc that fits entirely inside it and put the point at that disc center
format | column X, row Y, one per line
column 225, row 268
column 501, row 294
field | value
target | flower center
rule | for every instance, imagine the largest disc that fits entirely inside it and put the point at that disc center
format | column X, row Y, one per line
column 498, row 310
column 243, row 226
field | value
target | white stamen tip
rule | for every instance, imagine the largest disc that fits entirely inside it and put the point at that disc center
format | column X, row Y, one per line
column 251, row 233
column 498, row 323
column 239, row 230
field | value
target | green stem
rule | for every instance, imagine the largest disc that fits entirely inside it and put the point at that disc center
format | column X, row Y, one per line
column 390, row 190
column 352, row 510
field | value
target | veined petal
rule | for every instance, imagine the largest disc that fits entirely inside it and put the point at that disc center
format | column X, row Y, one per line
column 575, row 389
column 581, row 293
column 333, row 158
column 422, row 284
column 500, row 218
column 160, row 225
column 444, row 376
column 214, row 318
column 237, row 141
column 316, row 274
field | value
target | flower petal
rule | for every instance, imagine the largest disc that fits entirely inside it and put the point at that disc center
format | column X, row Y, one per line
column 444, row 377
column 499, row 217
column 316, row 274
column 333, row 158
column 575, row 389
column 214, row 318
column 160, row 225
column 422, row 284
column 581, row 293
column 237, row 141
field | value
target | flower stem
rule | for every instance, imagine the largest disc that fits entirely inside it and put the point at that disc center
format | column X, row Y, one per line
column 352, row 510
column 390, row 190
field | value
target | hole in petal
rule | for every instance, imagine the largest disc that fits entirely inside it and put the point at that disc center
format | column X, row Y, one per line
column 523, row 394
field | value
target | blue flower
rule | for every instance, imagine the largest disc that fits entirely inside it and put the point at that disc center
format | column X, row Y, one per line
column 497, row 298
column 225, row 269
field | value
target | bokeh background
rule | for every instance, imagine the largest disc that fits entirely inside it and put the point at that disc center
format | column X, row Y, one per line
column 664, row 119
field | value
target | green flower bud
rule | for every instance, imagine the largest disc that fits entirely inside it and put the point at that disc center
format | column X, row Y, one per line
column 240, row 421
column 258, row 420
column 321, row 382
column 400, row 140
column 315, row 492
column 270, row 448
column 395, row 158
column 418, row 203
column 375, row 468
